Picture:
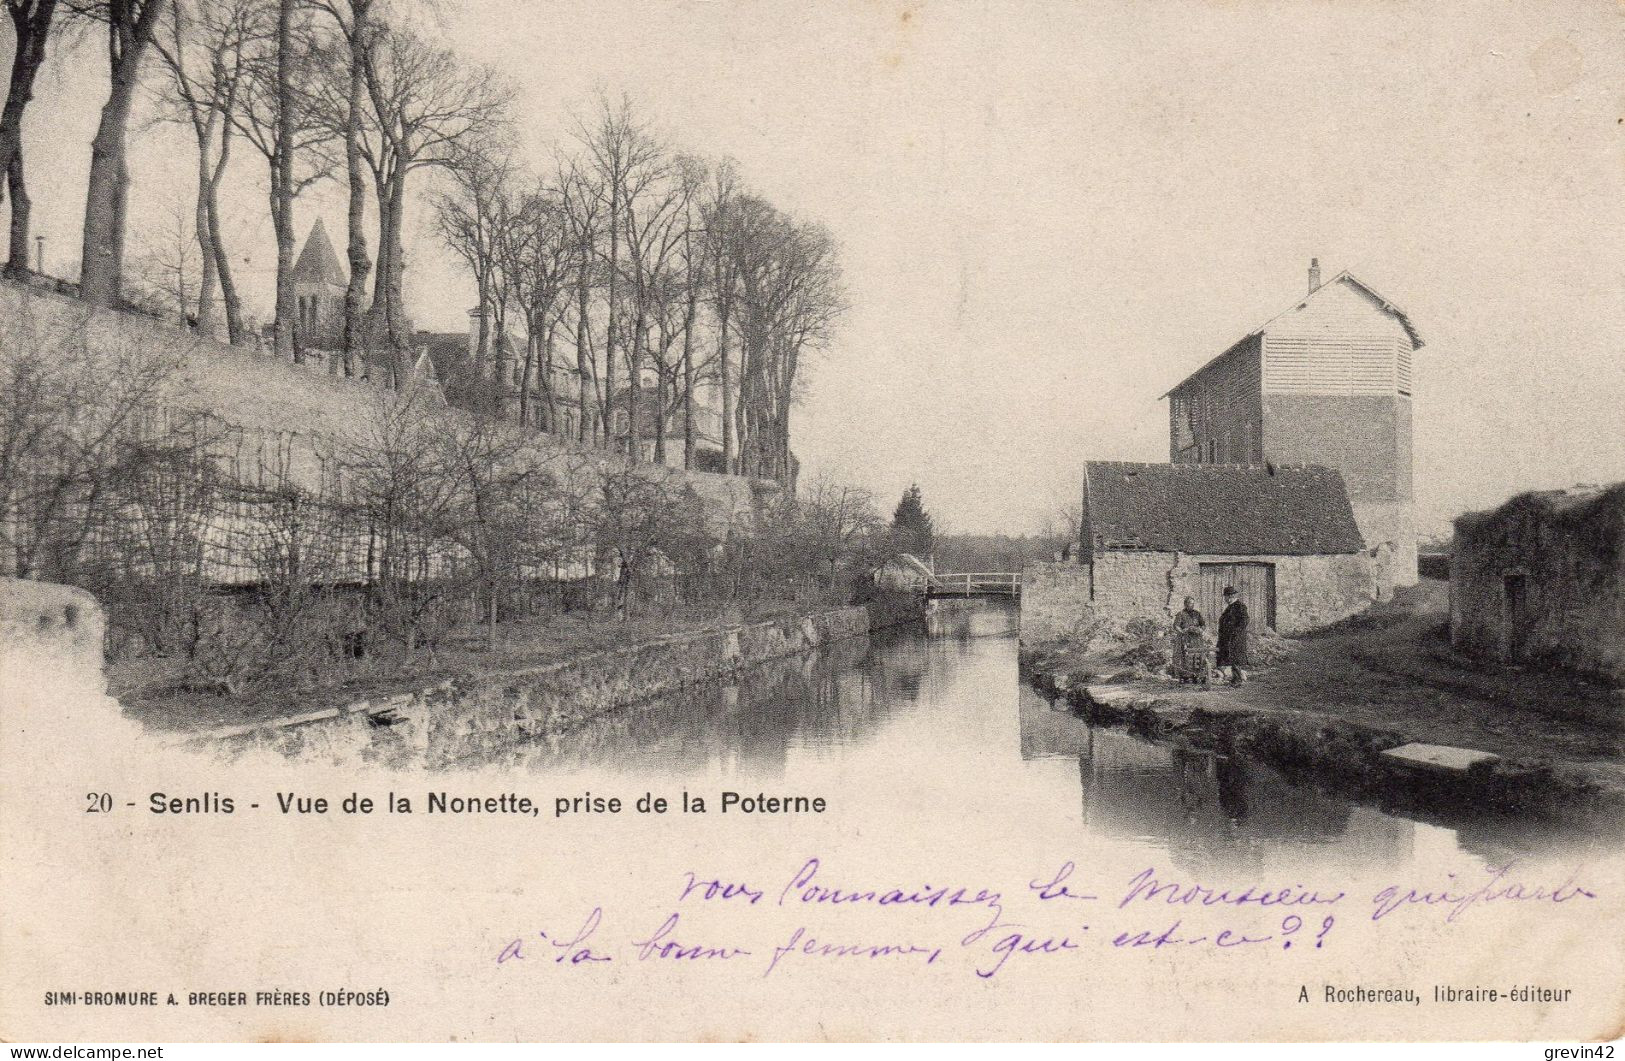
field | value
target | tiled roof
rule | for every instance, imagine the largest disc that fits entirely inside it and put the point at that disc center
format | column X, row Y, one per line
column 1219, row 509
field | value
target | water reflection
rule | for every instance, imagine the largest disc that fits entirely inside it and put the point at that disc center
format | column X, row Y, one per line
column 830, row 699
column 1206, row 809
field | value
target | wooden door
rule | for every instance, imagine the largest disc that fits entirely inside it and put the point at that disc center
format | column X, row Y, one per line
column 1253, row 580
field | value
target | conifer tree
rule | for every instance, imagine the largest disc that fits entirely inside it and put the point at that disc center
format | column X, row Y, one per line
column 911, row 525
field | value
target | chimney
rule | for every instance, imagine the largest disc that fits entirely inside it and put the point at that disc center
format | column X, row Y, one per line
column 1314, row 275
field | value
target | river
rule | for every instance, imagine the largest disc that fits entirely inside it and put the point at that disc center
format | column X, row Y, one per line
column 939, row 714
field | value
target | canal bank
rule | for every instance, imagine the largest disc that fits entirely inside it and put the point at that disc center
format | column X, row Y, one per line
column 1379, row 709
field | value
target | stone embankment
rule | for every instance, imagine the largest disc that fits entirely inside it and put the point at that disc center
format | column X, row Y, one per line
column 1372, row 763
column 456, row 718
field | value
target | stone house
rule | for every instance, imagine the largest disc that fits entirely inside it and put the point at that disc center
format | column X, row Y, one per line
column 1541, row 579
column 1328, row 381
column 1154, row 534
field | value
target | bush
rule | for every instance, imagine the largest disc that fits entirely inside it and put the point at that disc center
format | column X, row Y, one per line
column 1145, row 643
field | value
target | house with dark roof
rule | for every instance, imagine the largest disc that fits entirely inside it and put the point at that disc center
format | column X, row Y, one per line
column 1153, row 534
column 1326, row 381
column 1541, row 580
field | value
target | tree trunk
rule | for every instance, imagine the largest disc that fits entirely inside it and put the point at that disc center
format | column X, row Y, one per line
column 229, row 297
column 527, row 371
column 742, row 402
column 501, row 365
column 549, row 399
column 660, row 413
column 228, row 285
column 282, row 185
column 203, row 229
column 387, row 304
column 106, row 200
column 21, row 209
column 482, row 343
column 609, row 335
column 355, row 292
column 729, row 463
column 634, row 390
column 688, row 374
column 31, row 28
column 583, row 357
column 395, row 302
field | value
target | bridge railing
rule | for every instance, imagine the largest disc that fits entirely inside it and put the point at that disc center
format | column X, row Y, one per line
column 975, row 583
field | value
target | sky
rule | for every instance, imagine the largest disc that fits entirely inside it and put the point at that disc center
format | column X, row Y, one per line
column 1050, row 212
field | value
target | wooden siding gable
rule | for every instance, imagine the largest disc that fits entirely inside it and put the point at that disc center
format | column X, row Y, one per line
column 1345, row 311
column 1341, row 340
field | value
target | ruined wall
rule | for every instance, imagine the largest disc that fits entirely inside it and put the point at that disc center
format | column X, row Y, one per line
column 1569, row 556
column 1062, row 599
column 1131, row 584
column 1389, row 530
column 51, row 680
column 285, row 417
column 55, row 629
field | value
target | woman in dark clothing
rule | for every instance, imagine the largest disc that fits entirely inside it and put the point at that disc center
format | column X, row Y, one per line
column 1233, row 636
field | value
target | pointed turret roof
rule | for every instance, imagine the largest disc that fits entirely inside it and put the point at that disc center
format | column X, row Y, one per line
column 318, row 262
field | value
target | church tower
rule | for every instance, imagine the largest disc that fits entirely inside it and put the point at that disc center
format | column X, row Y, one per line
column 318, row 284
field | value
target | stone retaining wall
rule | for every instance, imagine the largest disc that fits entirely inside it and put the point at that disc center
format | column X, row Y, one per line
column 461, row 718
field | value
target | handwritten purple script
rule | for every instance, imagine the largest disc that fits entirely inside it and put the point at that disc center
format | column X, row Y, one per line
column 814, row 917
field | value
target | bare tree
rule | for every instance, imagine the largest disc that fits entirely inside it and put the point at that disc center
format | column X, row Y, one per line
column 535, row 249
column 643, row 523
column 654, row 202
column 581, row 202
column 721, row 198
column 617, row 147
column 693, row 174
column 161, row 277
column 424, row 106
column 277, row 116
column 130, row 26
column 492, row 471
column 468, row 214
column 31, row 24
column 345, row 115
column 82, row 421
column 788, row 296
column 402, row 493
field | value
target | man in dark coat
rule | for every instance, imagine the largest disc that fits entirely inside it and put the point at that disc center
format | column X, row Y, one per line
column 1233, row 636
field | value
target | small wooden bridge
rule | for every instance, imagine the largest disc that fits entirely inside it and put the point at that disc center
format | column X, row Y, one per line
column 930, row 584
column 974, row 584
